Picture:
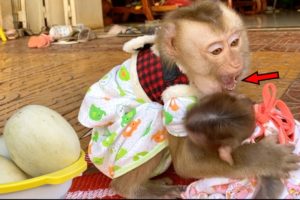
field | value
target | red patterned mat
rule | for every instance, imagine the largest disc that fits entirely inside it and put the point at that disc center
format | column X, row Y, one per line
column 96, row 185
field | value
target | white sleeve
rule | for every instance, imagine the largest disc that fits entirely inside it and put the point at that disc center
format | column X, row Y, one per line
column 174, row 112
column 177, row 100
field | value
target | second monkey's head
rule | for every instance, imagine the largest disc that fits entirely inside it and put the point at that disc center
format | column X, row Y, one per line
column 220, row 121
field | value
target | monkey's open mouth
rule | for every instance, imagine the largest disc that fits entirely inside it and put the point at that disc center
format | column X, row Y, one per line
column 230, row 81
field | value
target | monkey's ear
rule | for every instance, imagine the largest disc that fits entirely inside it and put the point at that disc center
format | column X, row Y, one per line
column 246, row 100
column 166, row 36
column 225, row 154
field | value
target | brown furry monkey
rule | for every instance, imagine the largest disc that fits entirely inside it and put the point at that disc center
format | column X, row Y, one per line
column 217, row 125
column 205, row 47
column 208, row 42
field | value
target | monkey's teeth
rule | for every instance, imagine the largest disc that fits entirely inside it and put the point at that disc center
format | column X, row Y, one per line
column 231, row 87
column 230, row 82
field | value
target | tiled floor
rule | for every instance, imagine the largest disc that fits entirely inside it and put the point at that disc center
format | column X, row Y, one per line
column 282, row 19
column 274, row 51
column 275, row 41
column 59, row 76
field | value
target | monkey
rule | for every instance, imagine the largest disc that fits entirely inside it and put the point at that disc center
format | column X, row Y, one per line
column 197, row 50
column 209, row 44
column 217, row 125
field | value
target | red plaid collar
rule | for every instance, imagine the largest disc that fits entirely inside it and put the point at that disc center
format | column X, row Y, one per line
column 155, row 77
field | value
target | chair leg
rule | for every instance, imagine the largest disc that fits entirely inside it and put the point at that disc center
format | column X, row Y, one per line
column 229, row 3
column 125, row 16
column 147, row 10
column 264, row 5
column 274, row 5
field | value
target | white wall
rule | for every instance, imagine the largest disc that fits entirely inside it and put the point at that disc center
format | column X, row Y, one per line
column 6, row 20
column 87, row 12
column 57, row 12
column 34, row 15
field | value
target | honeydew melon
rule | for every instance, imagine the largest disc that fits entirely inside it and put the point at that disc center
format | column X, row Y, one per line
column 9, row 172
column 40, row 141
column 3, row 148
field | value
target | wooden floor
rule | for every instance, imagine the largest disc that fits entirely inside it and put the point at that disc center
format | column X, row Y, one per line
column 59, row 76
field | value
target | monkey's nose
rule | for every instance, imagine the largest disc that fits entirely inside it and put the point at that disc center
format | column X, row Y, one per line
column 235, row 65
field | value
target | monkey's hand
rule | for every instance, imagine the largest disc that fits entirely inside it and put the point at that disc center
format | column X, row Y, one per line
column 266, row 158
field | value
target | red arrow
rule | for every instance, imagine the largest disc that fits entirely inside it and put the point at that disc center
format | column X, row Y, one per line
column 256, row 78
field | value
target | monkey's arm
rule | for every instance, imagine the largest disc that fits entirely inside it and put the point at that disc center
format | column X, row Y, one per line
column 260, row 159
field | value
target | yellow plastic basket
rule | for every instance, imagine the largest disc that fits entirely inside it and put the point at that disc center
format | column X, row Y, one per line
column 57, row 177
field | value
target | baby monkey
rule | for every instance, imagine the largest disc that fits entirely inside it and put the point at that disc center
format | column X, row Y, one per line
column 219, row 124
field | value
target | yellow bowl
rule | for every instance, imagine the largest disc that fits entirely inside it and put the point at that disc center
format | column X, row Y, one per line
column 58, row 177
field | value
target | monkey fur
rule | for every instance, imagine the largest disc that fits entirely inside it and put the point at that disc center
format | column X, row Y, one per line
column 209, row 44
column 218, row 124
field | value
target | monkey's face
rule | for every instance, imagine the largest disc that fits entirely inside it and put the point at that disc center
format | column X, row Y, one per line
column 214, row 60
column 208, row 41
column 222, row 146
column 214, row 143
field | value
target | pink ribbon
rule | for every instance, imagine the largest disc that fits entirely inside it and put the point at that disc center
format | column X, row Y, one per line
column 277, row 111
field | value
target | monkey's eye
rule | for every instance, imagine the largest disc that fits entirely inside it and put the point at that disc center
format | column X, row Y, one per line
column 215, row 48
column 217, row 51
column 235, row 42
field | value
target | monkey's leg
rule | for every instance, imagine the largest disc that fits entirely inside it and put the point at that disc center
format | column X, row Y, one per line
column 136, row 184
column 163, row 181
column 269, row 188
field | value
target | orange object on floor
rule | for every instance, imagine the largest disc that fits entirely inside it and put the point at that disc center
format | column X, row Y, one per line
column 40, row 41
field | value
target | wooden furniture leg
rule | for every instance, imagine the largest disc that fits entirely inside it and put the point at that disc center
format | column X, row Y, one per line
column 229, row 3
column 125, row 16
column 147, row 10
column 274, row 5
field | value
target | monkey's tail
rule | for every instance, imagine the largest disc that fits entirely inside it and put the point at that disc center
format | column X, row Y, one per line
column 269, row 188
